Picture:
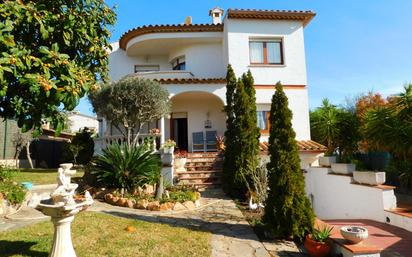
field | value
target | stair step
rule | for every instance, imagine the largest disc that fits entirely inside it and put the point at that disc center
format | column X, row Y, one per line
column 200, row 178
column 203, row 160
column 203, row 165
column 199, row 172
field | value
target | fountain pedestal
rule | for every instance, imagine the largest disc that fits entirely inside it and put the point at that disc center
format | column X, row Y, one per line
column 62, row 241
column 62, row 207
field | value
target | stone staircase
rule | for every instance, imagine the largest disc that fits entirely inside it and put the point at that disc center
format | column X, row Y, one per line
column 202, row 170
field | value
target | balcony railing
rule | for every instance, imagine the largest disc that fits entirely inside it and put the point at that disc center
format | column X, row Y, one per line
column 165, row 74
column 102, row 142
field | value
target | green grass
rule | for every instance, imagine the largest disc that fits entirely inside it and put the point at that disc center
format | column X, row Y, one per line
column 98, row 235
column 40, row 176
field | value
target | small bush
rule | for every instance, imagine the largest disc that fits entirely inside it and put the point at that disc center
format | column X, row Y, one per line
column 122, row 166
column 6, row 174
column 182, row 196
column 12, row 192
column 399, row 173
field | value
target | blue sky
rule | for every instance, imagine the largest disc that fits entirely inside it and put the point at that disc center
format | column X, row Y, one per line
column 352, row 46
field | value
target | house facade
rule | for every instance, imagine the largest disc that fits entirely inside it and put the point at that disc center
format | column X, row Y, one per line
column 190, row 61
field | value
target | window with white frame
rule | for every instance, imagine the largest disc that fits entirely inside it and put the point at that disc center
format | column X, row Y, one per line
column 266, row 51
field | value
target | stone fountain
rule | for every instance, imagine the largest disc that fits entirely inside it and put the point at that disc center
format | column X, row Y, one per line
column 61, row 207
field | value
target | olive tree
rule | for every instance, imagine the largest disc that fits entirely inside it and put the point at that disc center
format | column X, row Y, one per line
column 51, row 54
column 130, row 103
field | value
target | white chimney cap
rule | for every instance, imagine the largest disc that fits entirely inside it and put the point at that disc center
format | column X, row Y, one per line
column 217, row 14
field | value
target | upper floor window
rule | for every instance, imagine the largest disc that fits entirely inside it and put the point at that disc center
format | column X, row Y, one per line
column 146, row 68
column 263, row 121
column 266, row 51
column 179, row 63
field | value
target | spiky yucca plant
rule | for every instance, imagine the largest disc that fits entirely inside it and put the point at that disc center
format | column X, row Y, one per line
column 123, row 166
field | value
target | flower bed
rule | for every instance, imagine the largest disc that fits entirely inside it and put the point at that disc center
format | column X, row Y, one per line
column 175, row 198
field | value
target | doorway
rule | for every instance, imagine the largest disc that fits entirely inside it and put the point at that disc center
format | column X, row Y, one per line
column 179, row 130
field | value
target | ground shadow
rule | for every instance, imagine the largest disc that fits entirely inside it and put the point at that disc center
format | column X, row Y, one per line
column 239, row 231
column 12, row 248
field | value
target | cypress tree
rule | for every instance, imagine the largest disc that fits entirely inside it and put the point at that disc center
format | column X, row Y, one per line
column 230, row 138
column 288, row 212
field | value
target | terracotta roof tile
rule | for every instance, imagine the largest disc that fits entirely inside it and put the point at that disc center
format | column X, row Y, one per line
column 304, row 16
column 168, row 28
column 303, row 145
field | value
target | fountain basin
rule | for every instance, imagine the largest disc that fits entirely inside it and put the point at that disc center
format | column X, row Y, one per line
column 354, row 234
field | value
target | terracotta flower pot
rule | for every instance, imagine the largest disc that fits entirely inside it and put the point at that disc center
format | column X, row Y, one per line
column 316, row 249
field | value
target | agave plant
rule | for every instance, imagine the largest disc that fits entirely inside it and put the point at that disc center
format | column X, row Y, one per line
column 123, row 166
column 321, row 234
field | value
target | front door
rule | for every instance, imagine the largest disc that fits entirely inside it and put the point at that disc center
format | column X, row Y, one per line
column 179, row 130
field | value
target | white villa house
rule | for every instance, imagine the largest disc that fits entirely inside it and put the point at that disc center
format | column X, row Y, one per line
column 190, row 61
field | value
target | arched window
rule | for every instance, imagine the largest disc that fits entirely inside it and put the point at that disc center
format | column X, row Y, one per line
column 179, row 63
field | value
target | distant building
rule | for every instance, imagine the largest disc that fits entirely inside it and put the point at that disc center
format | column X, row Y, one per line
column 79, row 121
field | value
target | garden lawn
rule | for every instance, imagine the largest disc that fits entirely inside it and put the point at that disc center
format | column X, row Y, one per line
column 40, row 176
column 96, row 234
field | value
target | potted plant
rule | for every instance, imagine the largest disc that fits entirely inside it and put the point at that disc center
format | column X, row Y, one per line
column 180, row 160
column 327, row 160
column 343, row 168
column 169, row 146
column 220, row 143
column 317, row 244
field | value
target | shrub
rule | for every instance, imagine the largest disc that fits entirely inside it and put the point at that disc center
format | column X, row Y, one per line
column 6, row 174
column 12, row 192
column 288, row 212
column 80, row 149
column 123, row 166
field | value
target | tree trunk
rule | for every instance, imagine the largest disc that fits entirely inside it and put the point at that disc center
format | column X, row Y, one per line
column 160, row 189
column 28, row 154
column 136, row 137
column 129, row 136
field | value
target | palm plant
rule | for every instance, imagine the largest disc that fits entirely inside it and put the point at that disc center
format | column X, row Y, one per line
column 123, row 166
column 390, row 127
column 325, row 125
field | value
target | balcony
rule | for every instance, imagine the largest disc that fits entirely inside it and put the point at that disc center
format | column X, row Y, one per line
column 166, row 74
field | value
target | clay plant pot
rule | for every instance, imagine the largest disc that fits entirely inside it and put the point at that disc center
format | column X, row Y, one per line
column 316, row 249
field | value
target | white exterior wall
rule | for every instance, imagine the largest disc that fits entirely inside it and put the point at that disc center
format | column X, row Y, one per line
column 121, row 65
column 202, row 60
column 238, row 35
column 78, row 122
column 334, row 197
column 298, row 103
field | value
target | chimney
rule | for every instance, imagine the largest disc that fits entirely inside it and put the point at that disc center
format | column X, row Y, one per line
column 217, row 15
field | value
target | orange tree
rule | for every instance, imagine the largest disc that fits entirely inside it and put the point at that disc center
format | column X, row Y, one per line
column 364, row 104
column 52, row 54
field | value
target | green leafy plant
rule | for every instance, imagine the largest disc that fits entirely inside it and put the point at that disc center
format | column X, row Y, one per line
column 52, row 54
column 123, row 166
column 169, row 144
column 321, row 234
column 183, row 196
column 131, row 103
column 6, row 174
